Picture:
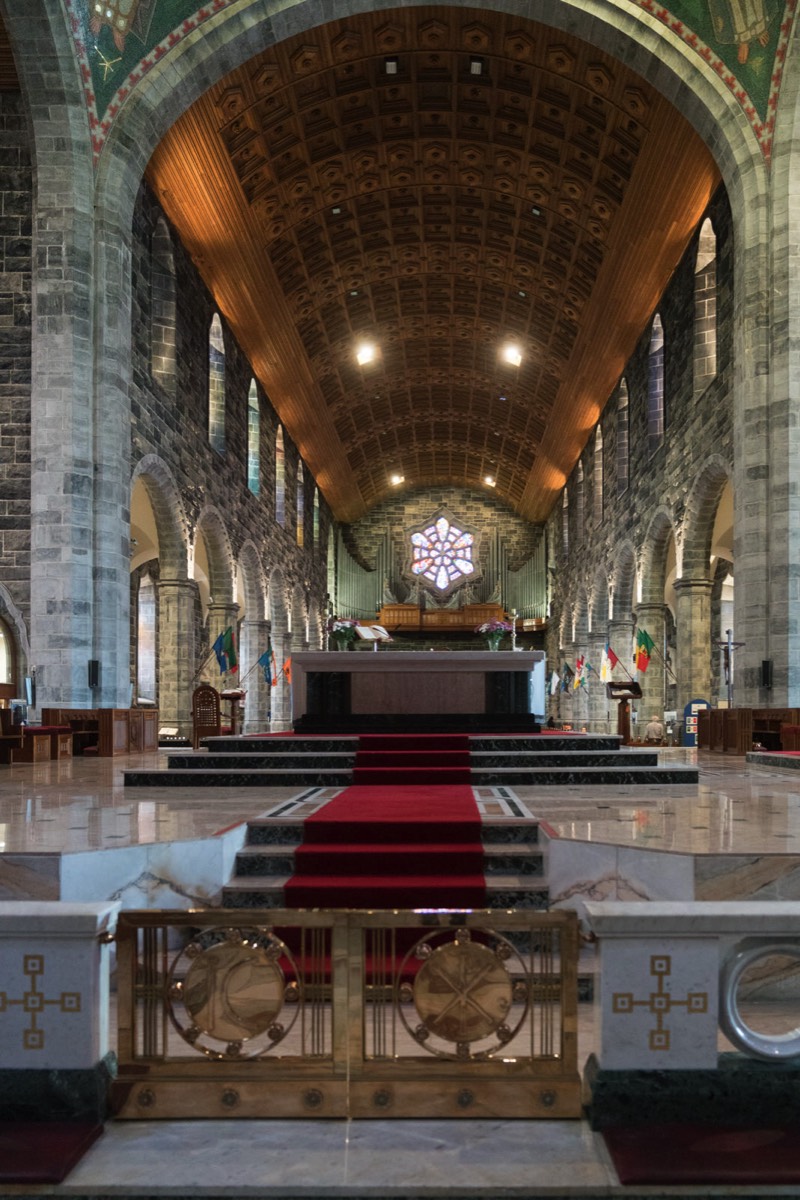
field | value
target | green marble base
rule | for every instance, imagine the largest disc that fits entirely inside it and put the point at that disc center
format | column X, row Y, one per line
column 42, row 1095
column 741, row 1091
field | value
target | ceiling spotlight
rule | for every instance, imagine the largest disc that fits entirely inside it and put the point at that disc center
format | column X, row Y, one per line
column 522, row 294
column 336, row 210
column 365, row 354
column 512, row 354
column 395, row 479
column 476, row 66
column 537, row 212
column 354, row 291
column 490, row 481
column 390, row 66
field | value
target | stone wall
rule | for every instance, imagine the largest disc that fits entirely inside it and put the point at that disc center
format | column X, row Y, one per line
column 663, row 484
column 172, row 422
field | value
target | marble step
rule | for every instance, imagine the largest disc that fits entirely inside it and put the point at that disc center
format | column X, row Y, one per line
column 269, row 831
column 294, row 743
column 256, row 862
column 320, row 776
column 212, row 761
column 502, row 891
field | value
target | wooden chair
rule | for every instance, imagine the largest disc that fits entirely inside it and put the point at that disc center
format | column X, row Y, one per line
column 206, row 717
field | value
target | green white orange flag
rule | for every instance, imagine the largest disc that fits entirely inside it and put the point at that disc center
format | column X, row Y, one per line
column 644, row 647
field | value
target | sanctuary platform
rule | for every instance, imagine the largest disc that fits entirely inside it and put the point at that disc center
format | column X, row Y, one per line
column 72, row 829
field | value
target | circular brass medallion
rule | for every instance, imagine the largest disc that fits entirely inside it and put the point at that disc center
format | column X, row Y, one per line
column 463, row 992
column 233, row 991
column 227, row 988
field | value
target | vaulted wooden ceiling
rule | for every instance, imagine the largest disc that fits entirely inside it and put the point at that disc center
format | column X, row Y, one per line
column 438, row 181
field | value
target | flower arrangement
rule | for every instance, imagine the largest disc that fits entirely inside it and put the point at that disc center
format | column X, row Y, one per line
column 341, row 625
column 494, row 626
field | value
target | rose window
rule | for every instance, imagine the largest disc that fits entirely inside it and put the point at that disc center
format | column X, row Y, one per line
column 442, row 553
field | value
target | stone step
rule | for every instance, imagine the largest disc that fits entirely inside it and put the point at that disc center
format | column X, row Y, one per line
column 502, row 891
column 532, row 743
column 277, row 859
column 270, row 831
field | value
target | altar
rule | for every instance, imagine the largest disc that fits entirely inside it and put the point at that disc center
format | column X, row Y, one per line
column 423, row 688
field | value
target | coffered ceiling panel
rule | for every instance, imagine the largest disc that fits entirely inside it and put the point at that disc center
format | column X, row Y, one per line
column 437, row 182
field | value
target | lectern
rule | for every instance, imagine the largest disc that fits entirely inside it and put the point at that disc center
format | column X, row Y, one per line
column 623, row 692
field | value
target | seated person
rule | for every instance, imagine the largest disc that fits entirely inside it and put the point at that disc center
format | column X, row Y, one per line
column 654, row 730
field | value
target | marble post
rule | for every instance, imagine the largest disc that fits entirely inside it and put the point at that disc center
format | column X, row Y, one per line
column 54, row 1009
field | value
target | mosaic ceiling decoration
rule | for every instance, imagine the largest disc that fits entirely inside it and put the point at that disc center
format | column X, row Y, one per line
column 744, row 41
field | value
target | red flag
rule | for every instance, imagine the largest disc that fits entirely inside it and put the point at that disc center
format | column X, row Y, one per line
column 287, row 670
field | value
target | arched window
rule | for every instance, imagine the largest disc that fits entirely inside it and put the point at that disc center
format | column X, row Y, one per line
column 163, row 308
column 705, row 308
column 623, row 439
column 655, row 386
column 253, row 440
column 301, row 503
column 216, row 386
column 565, row 522
column 579, row 503
column 280, row 478
column 597, row 477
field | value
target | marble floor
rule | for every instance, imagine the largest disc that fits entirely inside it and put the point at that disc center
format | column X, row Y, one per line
column 741, row 820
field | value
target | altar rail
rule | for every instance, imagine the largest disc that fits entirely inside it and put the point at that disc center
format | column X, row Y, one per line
column 258, row 1013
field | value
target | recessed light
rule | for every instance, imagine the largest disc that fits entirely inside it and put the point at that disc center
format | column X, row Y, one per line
column 390, row 66
column 537, row 212
column 476, row 66
column 490, row 481
column 395, row 479
column 336, row 210
column 365, row 353
column 522, row 294
column 512, row 354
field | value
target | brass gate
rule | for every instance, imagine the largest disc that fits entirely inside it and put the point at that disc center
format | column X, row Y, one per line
column 265, row 1013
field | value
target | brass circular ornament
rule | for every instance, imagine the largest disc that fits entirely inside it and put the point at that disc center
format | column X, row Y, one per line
column 463, row 994
column 226, row 990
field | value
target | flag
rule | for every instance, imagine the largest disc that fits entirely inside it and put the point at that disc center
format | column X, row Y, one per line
column 229, row 645
column 555, row 680
column 644, row 644
column 567, row 674
column 225, row 649
column 267, row 664
column 607, row 663
column 578, row 678
column 287, row 670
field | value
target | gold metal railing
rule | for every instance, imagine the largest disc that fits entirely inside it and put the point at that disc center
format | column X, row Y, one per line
column 265, row 1013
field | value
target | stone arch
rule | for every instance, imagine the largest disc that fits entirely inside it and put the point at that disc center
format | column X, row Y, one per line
column 15, row 621
column 623, row 586
column 599, row 602
column 211, row 527
column 701, row 511
column 653, row 559
column 254, row 582
column 299, row 618
column 171, row 521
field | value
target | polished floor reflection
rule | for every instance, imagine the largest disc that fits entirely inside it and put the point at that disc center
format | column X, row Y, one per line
column 741, row 824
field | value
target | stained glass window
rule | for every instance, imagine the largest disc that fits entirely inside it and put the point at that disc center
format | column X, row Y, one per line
column 442, row 553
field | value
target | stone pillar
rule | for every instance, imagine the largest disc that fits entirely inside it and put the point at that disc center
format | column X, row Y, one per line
column 281, row 695
column 650, row 617
column 221, row 616
column 693, row 622
column 176, row 653
column 601, row 718
column 254, row 637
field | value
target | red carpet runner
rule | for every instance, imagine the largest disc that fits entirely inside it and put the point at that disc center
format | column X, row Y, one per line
column 416, row 846
column 412, row 758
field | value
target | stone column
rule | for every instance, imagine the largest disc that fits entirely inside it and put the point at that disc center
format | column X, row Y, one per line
column 693, row 621
column 281, row 695
column 601, row 718
column 254, row 637
column 176, row 652
column 220, row 617
column 650, row 617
